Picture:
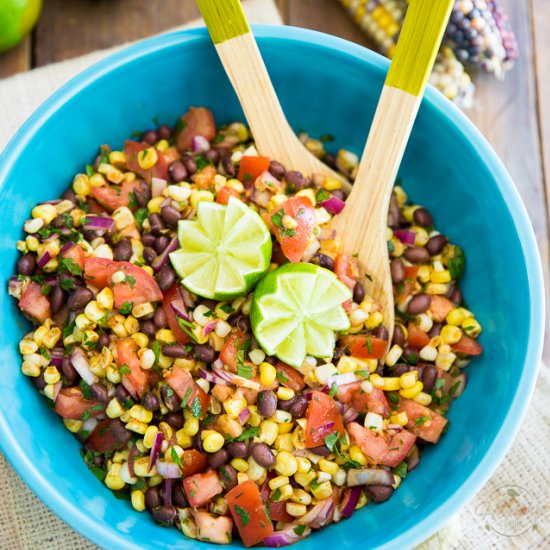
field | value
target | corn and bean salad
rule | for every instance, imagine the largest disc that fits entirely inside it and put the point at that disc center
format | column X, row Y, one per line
column 176, row 405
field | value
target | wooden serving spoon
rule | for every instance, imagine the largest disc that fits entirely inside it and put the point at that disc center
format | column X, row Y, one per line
column 362, row 225
column 246, row 70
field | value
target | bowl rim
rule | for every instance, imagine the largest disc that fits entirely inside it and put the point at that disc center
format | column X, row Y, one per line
column 104, row 534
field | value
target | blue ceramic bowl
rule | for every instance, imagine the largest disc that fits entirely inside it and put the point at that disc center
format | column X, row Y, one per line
column 327, row 86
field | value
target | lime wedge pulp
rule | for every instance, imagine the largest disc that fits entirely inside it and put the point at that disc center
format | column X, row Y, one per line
column 296, row 310
column 224, row 251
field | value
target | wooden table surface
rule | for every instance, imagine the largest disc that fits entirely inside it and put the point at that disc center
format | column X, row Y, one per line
column 514, row 115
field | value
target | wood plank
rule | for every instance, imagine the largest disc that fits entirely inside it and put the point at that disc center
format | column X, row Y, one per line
column 67, row 29
column 17, row 59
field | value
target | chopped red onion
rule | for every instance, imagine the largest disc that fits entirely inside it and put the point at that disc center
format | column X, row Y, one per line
column 267, row 179
column 396, row 427
column 413, row 459
column 80, row 363
column 168, row 470
column 261, row 198
column 168, row 492
column 179, row 309
column 319, row 515
column 99, row 223
column 162, row 259
column 155, row 450
column 15, row 288
column 349, row 414
column 199, row 144
column 56, row 357
column 66, row 247
column 334, row 205
column 243, row 415
column 217, row 364
column 405, row 236
column 370, row 476
column 54, row 202
column 89, row 425
column 186, row 297
column 349, row 501
column 44, row 259
column 285, row 537
column 50, row 280
column 237, row 380
column 210, row 377
column 341, row 379
column 462, row 378
column 158, row 185
column 209, row 327
column 325, row 429
column 56, row 389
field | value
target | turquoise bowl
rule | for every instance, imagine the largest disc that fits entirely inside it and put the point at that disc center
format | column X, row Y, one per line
column 327, row 86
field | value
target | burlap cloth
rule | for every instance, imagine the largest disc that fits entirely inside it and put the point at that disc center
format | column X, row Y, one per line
column 511, row 512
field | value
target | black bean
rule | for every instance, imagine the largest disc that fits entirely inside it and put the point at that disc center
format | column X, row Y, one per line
column 170, row 398
column 339, row 194
column 429, row 376
column 179, row 500
column 157, row 224
column 150, row 137
column 228, row 166
column 204, row 352
column 149, row 254
column 151, row 402
column 57, row 298
column 99, row 392
column 381, row 332
column 397, row 270
column 38, row 382
column 69, row 195
column 358, row 293
column 398, row 336
column 286, row 405
column 322, row 450
column 165, row 515
column 190, row 164
column 174, row 350
column 330, row 160
column 99, row 460
column 456, row 296
column 436, row 244
column 267, row 403
column 197, row 442
column 338, row 352
column 148, row 327
column 166, row 277
column 435, row 330
column 419, row 304
column 104, row 341
column 170, row 215
column 164, row 132
column 238, row 449
column 400, row 368
column 58, row 222
column 241, row 322
column 393, row 212
column 69, row 371
column 79, row 297
column 276, row 169
column 217, row 459
column 177, row 171
column 160, row 318
column 26, row 264
column 262, row 454
column 148, row 239
column 152, row 498
column 326, row 262
column 422, row 217
column 417, row 255
column 121, row 393
column 299, row 408
column 161, row 243
column 123, row 250
column 295, row 180
column 379, row 493
column 174, row 419
column 212, row 156
column 228, row 476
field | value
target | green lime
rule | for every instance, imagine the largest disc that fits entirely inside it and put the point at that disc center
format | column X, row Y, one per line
column 224, row 251
column 17, row 18
column 296, row 310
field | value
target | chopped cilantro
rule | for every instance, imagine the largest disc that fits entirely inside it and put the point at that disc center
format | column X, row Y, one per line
column 45, row 353
column 401, row 470
column 281, row 377
column 130, row 280
column 141, row 216
column 196, row 409
column 186, row 397
column 333, row 390
column 124, row 369
column 243, row 514
column 126, row 308
column 66, row 284
column 68, row 264
column 155, row 346
column 277, row 218
column 276, row 495
column 439, row 383
column 226, row 308
column 420, row 420
column 89, row 170
column 457, row 263
column 322, row 195
column 245, row 371
column 331, row 440
column 299, row 530
column 180, row 125
column 362, row 372
column 351, row 464
column 326, row 137
column 392, row 398
column 175, row 457
column 187, row 327
column 247, row 434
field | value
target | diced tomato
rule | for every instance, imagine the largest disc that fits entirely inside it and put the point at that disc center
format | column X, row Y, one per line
column 346, row 269
column 201, row 488
column 221, row 393
column 191, row 394
column 70, row 403
column 294, row 241
column 210, row 528
column 249, row 513
column 374, row 401
column 388, row 449
column 417, row 338
column 198, row 121
column 277, row 512
column 440, row 307
column 94, row 207
column 251, row 167
column 225, row 193
column 159, row 170
column 136, row 381
column 204, row 178
column 173, row 296
column 290, row 377
column 230, row 349
column 365, row 346
column 109, row 435
column 322, row 418
column 113, row 197
column 34, row 303
column 76, row 254
column 98, row 271
column 408, row 285
column 423, row 422
column 193, row 462
column 468, row 346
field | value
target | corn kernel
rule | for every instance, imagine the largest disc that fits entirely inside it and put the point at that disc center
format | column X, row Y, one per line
column 184, row 440
column 393, row 355
column 74, row 426
column 284, row 419
column 138, row 500
column 166, row 336
column 114, row 408
column 97, row 180
column 436, row 288
column 428, row 353
column 445, row 360
column 305, row 478
column 138, row 412
column 81, row 185
column 300, row 496
column 113, row 375
column 136, row 426
column 147, row 158
column 278, row 482
column 356, row 454
column 295, row 509
column 269, row 431
column 222, row 329
column 113, row 480
column 304, row 465
column 423, row 398
column 286, row 464
column 323, row 372
column 390, row 383
column 412, row 391
column 471, row 327
column 240, row 464
column 93, row 312
column 191, row 426
column 456, row 316
column 213, row 442
column 255, row 472
column 141, row 468
column 149, row 436
column 105, row 299
column 285, row 394
column 268, row 374
column 117, row 158
column 233, row 407
column 178, row 192
column 39, row 334
column 443, row 276
column 284, row 442
column 322, row 491
column 48, row 391
column 199, row 195
column 285, row 492
column 51, row 375
column 29, row 368
column 451, row 334
column 399, row 418
column 153, row 206
column 131, row 324
column 328, row 466
column 408, row 379
column 374, row 421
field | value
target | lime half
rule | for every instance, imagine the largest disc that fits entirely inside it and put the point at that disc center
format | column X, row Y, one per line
column 296, row 310
column 224, row 251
